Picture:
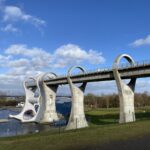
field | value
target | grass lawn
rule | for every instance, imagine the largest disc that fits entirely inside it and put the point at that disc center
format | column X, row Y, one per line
column 103, row 128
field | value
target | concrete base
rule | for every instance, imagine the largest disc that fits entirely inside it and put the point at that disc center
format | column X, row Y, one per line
column 127, row 113
column 126, row 93
column 77, row 116
column 47, row 110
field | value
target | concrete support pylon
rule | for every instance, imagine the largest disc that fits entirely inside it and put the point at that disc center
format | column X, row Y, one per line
column 77, row 116
column 29, row 106
column 125, row 91
column 47, row 107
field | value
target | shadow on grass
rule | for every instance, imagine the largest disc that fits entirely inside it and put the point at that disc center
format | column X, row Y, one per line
column 103, row 119
column 142, row 115
column 107, row 119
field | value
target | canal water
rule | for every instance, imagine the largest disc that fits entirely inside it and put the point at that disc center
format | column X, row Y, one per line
column 14, row 127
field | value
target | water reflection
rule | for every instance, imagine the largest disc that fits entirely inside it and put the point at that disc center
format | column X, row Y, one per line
column 14, row 127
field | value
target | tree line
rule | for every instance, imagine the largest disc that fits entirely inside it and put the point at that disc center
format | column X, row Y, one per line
column 10, row 101
column 95, row 101
column 112, row 100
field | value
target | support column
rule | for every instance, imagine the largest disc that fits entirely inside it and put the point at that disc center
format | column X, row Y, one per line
column 125, row 91
column 47, row 107
column 77, row 116
column 30, row 100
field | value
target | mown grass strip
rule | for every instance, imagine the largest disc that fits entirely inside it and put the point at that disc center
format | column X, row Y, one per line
column 94, row 135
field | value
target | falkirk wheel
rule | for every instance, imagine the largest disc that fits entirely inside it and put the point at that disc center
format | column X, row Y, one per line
column 42, row 109
column 39, row 109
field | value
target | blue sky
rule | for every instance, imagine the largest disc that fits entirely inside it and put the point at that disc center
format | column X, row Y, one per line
column 52, row 35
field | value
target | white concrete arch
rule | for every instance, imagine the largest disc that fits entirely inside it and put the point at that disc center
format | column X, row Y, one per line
column 77, row 116
column 126, row 56
column 125, row 91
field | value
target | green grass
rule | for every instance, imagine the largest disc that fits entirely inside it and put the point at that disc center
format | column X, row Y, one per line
column 103, row 128
column 103, row 116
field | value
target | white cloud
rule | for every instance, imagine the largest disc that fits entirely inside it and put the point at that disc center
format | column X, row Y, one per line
column 22, row 72
column 142, row 41
column 9, row 28
column 4, row 59
column 14, row 13
column 72, row 54
column 11, row 85
column 14, row 71
column 23, row 50
column 36, row 58
column 21, row 61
